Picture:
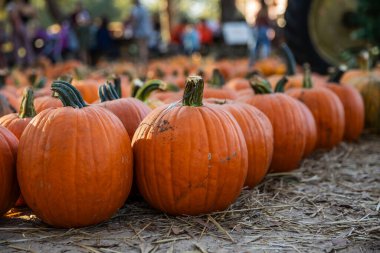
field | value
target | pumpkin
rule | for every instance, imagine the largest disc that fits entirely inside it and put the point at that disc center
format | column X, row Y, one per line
column 130, row 111
column 88, row 89
column 238, row 84
column 190, row 158
column 81, row 158
column 353, row 109
column 16, row 122
column 326, row 108
column 309, row 121
column 9, row 190
column 45, row 102
column 288, row 124
column 369, row 87
column 258, row 135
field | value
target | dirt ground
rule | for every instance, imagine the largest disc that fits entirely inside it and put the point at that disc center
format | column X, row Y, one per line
column 332, row 203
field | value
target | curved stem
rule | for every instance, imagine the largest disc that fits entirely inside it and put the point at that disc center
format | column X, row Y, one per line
column 260, row 85
column 337, row 74
column 117, row 85
column 289, row 59
column 68, row 94
column 217, row 79
column 280, row 86
column 101, row 93
column 107, row 93
column 144, row 92
column 307, row 82
column 32, row 78
column 27, row 107
column 193, row 93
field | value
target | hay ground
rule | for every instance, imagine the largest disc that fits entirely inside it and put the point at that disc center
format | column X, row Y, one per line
column 332, row 203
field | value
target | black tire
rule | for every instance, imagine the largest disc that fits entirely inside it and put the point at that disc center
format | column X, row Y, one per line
column 298, row 37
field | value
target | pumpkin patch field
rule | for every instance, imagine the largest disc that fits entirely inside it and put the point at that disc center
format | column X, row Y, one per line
column 198, row 156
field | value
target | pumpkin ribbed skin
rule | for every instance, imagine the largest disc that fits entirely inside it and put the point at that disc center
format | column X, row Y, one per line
column 42, row 103
column 130, row 111
column 75, row 165
column 258, row 135
column 190, row 158
column 311, row 130
column 14, row 123
column 288, row 128
column 328, row 113
column 353, row 110
column 219, row 93
column 9, row 190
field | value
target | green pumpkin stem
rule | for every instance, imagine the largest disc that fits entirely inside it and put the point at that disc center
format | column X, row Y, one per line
column 260, row 85
column 144, row 92
column 27, row 107
column 68, row 94
column 280, row 85
column 193, row 94
column 117, row 85
column 217, row 79
column 337, row 74
column 290, row 61
column 307, row 82
column 364, row 61
column 32, row 78
column 107, row 93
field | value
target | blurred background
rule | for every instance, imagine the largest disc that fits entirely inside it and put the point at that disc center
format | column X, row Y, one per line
column 322, row 32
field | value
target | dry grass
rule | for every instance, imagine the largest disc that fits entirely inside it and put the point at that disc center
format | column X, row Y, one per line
column 331, row 203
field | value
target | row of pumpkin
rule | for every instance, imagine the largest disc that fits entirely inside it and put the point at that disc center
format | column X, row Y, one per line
column 75, row 162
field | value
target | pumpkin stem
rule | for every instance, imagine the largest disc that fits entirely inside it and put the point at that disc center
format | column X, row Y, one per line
column 68, row 94
column 307, row 82
column 337, row 74
column 364, row 61
column 40, row 84
column 290, row 61
column 27, row 107
column 280, row 86
column 32, row 78
column 135, row 86
column 144, row 92
column 193, row 93
column 107, row 93
column 159, row 73
column 260, row 85
column 217, row 79
column 117, row 85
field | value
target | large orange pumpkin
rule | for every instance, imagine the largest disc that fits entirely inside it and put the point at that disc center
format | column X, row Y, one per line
column 327, row 110
column 287, row 121
column 9, row 190
column 190, row 158
column 74, row 163
column 130, row 111
column 258, row 135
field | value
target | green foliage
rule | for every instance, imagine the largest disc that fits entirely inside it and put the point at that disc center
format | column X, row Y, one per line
column 369, row 21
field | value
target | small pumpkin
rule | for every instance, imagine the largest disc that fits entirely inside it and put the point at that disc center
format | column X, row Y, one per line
column 130, row 111
column 81, row 158
column 190, row 158
column 216, row 89
column 258, row 135
column 9, row 190
column 287, row 121
column 326, row 108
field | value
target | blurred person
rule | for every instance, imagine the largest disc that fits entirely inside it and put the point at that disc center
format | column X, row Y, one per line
column 81, row 22
column 176, row 33
column 191, row 40
column 104, row 42
column 261, row 43
column 19, row 13
column 205, row 35
column 142, row 30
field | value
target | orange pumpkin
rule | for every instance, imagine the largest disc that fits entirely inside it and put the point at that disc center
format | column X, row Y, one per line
column 81, row 156
column 200, row 152
column 327, row 110
column 9, row 190
column 130, row 111
column 258, row 135
column 288, row 124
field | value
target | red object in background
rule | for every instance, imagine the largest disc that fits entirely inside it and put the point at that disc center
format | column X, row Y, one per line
column 177, row 33
column 205, row 33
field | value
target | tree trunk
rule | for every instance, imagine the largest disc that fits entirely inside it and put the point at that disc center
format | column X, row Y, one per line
column 229, row 12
